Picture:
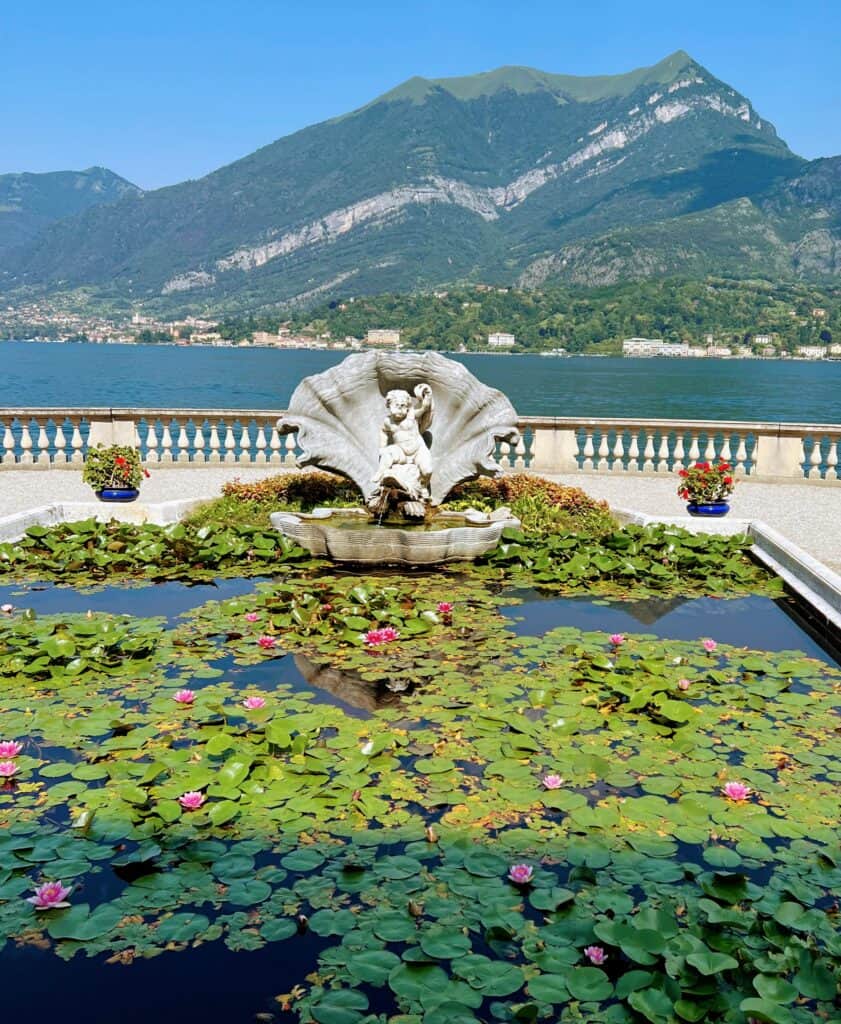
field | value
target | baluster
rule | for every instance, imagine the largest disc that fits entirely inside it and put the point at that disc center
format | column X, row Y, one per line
column 677, row 465
column 741, row 457
column 288, row 455
column 694, row 450
column 76, row 443
column 804, row 456
column 634, row 453
column 709, row 452
column 198, row 445
column 618, row 465
column 183, row 443
column 245, row 446
column 520, row 454
column 60, row 442
column 25, row 444
column 725, row 455
column 152, row 444
column 832, row 459
column 589, row 451
column 215, row 444
column 504, row 456
column 604, row 451
column 260, row 444
column 815, row 460
column 43, row 447
column 648, row 454
column 166, row 443
column 663, row 454
column 274, row 444
column 9, row 446
column 230, row 443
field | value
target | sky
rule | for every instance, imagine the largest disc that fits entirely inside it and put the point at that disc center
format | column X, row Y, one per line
column 164, row 91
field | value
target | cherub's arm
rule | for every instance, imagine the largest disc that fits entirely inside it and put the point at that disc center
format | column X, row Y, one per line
column 423, row 410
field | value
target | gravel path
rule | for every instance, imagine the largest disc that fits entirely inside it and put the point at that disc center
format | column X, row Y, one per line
column 809, row 515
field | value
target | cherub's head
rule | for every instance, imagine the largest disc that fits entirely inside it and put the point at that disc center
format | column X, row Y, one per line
column 398, row 403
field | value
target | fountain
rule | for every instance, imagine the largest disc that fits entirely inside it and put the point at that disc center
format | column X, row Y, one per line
column 406, row 428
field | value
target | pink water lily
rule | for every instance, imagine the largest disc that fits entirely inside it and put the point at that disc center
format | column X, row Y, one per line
column 709, row 645
column 184, row 696
column 552, row 781
column 254, row 703
column 251, row 616
column 8, row 769
column 50, row 896
column 595, row 954
column 736, row 791
column 375, row 637
column 7, row 609
column 683, row 684
column 520, row 874
column 616, row 639
column 445, row 607
column 10, row 748
column 192, row 800
column 267, row 642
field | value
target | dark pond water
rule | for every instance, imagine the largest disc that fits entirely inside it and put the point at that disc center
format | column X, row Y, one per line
column 211, row 983
column 753, row 622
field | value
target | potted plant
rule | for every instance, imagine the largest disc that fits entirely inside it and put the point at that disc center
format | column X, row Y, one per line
column 114, row 472
column 705, row 486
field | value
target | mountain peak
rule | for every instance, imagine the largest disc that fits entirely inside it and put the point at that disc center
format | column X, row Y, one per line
column 521, row 79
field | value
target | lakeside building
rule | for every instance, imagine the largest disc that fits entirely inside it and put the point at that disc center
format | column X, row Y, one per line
column 811, row 351
column 501, row 340
column 383, row 338
column 654, row 347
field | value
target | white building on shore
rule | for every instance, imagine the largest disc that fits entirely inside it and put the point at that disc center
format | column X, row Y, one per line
column 654, row 347
column 501, row 341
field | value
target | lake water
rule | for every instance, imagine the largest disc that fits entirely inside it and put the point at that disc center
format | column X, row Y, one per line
column 164, row 376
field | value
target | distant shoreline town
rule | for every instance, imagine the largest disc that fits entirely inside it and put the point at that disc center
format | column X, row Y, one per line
column 201, row 332
column 712, row 319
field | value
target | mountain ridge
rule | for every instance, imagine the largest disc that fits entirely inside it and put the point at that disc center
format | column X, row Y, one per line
column 30, row 201
column 413, row 191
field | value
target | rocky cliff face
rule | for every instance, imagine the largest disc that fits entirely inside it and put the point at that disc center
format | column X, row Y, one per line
column 495, row 176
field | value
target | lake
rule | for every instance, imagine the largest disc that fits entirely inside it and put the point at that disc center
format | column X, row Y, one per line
column 165, row 376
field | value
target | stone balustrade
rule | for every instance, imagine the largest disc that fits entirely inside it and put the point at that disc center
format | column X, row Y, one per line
column 59, row 438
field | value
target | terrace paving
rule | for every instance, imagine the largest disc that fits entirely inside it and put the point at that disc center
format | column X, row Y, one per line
column 807, row 514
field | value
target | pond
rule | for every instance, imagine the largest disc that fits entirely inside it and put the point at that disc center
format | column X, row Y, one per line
column 430, row 798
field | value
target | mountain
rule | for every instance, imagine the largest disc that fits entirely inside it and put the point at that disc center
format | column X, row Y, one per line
column 792, row 228
column 493, row 177
column 31, row 202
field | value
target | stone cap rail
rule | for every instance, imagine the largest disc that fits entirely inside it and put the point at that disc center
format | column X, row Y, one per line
column 54, row 437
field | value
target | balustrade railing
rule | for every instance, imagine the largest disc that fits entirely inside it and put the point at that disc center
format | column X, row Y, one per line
column 59, row 438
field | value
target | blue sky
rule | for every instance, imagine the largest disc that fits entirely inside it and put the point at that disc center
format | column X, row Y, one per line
column 163, row 91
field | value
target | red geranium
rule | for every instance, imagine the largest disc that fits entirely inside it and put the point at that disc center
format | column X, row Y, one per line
column 704, row 483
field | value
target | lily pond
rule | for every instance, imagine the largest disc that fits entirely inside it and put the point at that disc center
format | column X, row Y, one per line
column 580, row 781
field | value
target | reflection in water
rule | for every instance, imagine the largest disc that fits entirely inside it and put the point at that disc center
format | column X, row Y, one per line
column 758, row 623
column 350, row 689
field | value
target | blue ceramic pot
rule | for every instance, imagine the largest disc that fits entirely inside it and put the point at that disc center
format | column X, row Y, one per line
column 712, row 508
column 118, row 494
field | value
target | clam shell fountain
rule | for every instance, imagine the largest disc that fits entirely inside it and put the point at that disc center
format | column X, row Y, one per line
column 405, row 428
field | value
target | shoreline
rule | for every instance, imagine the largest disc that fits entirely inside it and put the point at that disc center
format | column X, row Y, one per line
column 446, row 352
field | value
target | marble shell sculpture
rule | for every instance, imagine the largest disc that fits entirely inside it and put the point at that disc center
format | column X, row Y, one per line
column 338, row 415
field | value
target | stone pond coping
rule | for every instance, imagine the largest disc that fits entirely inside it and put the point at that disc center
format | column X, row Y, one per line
column 811, row 580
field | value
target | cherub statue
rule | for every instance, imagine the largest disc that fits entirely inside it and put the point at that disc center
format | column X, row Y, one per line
column 405, row 464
